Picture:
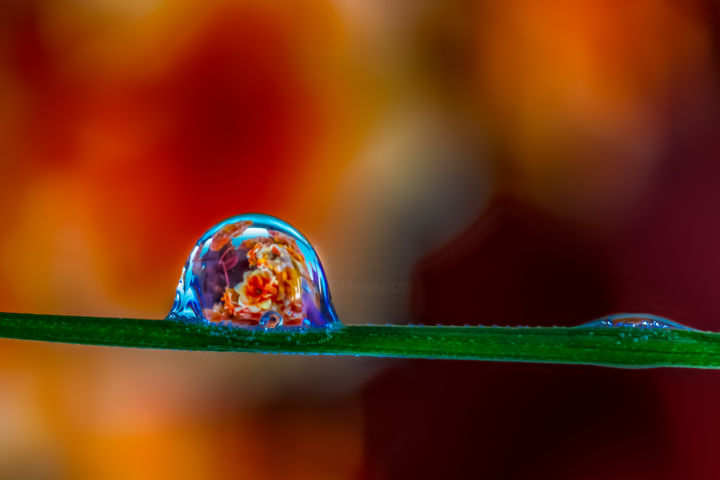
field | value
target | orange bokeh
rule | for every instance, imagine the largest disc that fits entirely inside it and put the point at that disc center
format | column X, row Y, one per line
column 380, row 130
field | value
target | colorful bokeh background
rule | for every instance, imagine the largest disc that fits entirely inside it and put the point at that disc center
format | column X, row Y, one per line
column 531, row 162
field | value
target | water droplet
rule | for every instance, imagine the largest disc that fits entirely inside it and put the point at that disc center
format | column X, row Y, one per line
column 635, row 320
column 271, row 319
column 256, row 271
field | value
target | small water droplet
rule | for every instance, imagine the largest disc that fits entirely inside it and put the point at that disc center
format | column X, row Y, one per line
column 635, row 320
column 254, row 271
column 271, row 319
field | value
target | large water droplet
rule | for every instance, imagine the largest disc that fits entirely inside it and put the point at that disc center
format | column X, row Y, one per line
column 254, row 270
column 635, row 320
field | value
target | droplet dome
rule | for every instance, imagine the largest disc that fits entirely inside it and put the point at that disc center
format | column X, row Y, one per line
column 635, row 320
column 254, row 270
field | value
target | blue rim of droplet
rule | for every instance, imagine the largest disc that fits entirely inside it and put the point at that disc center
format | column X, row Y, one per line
column 620, row 320
column 184, row 309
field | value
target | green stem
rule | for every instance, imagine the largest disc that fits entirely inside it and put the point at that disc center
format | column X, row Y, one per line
column 626, row 347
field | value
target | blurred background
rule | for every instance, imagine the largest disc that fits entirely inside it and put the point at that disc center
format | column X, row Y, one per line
column 532, row 162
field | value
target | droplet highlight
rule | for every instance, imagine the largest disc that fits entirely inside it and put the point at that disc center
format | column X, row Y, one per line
column 635, row 320
column 254, row 270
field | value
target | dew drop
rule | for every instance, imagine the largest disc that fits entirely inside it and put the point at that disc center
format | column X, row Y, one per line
column 271, row 319
column 254, row 271
column 635, row 320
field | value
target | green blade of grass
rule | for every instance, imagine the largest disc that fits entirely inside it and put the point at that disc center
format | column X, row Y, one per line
column 623, row 347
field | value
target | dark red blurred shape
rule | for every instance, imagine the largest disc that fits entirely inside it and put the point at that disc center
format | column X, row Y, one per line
column 441, row 419
column 514, row 266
